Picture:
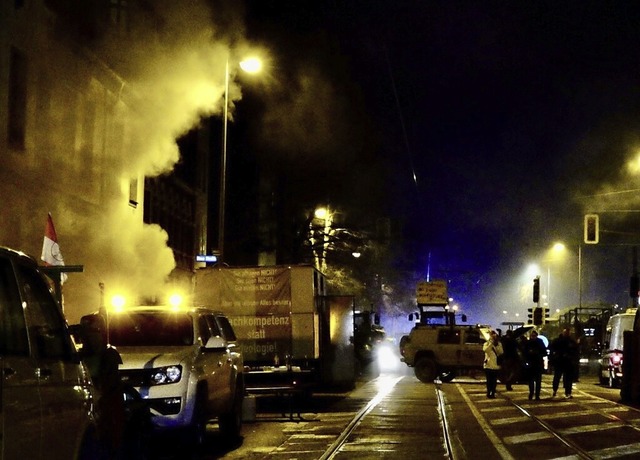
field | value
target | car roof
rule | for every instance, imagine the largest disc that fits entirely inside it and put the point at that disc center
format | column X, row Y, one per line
column 168, row 309
column 13, row 253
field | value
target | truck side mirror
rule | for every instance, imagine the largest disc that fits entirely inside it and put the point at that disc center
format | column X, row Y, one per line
column 215, row 343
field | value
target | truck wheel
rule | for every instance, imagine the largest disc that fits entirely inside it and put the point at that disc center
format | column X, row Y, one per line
column 425, row 369
column 603, row 380
column 198, row 429
column 231, row 422
column 447, row 376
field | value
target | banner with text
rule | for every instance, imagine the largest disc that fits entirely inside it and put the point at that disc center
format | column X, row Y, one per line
column 260, row 299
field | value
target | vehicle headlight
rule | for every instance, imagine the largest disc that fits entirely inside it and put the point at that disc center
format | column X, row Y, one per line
column 165, row 375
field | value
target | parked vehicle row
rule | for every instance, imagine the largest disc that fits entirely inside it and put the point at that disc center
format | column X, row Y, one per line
column 175, row 370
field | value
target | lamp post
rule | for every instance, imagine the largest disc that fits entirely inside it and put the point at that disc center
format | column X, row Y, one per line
column 326, row 216
column 558, row 249
column 250, row 65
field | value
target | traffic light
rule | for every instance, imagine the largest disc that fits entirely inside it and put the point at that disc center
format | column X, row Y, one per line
column 536, row 289
column 591, row 228
column 537, row 316
column 530, row 321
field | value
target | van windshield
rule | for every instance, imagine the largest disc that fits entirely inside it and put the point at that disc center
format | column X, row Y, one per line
column 150, row 329
column 625, row 324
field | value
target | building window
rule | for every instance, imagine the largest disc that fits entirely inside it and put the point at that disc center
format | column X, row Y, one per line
column 17, row 98
column 133, row 193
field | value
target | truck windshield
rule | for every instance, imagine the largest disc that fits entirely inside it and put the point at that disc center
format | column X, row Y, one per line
column 150, row 329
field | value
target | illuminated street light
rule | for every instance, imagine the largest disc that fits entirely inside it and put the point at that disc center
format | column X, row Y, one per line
column 250, row 65
column 324, row 214
column 557, row 252
column 532, row 270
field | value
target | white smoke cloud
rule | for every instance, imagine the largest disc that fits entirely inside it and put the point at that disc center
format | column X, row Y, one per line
column 169, row 79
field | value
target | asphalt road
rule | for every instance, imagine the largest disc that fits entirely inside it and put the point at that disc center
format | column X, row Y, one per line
column 405, row 423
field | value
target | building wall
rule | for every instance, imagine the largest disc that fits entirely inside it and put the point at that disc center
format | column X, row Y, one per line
column 68, row 147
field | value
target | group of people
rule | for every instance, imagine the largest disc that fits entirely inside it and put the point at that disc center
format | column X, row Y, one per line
column 506, row 357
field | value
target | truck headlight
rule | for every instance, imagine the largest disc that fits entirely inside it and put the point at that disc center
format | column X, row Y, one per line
column 166, row 375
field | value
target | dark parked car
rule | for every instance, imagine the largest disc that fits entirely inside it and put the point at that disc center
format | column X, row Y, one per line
column 47, row 394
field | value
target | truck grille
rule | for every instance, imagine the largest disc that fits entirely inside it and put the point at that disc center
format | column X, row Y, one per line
column 136, row 377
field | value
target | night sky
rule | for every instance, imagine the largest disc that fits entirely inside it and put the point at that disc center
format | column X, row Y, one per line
column 516, row 119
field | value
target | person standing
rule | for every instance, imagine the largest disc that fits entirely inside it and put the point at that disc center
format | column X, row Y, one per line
column 534, row 353
column 102, row 361
column 564, row 354
column 492, row 350
column 511, row 362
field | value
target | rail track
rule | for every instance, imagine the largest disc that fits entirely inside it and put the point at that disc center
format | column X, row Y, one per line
column 398, row 417
column 584, row 427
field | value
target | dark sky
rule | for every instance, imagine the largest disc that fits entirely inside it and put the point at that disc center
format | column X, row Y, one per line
column 516, row 118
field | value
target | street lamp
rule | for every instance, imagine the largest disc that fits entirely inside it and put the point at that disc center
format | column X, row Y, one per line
column 249, row 65
column 559, row 249
column 556, row 252
column 325, row 214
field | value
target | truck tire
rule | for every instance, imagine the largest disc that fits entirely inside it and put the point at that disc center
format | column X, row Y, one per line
column 426, row 370
column 198, row 429
column 231, row 422
column 603, row 380
column 447, row 376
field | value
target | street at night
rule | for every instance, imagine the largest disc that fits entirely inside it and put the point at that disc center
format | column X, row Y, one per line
column 311, row 230
column 396, row 416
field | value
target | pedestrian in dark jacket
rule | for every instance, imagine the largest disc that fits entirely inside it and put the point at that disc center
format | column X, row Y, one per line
column 534, row 353
column 564, row 355
column 511, row 361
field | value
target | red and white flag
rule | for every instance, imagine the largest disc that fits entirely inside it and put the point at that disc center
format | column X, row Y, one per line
column 50, row 249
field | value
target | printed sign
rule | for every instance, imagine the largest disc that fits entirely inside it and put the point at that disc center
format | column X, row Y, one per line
column 263, row 296
column 432, row 292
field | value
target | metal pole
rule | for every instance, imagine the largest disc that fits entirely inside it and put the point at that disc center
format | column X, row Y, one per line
column 548, row 286
column 580, row 275
column 223, row 166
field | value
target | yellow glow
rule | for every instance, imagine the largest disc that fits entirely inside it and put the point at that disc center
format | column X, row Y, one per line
column 556, row 253
column 321, row 213
column 634, row 165
column 251, row 65
column 117, row 302
column 533, row 270
column 175, row 300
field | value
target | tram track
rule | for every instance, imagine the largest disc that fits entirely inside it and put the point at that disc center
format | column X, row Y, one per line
column 343, row 437
column 585, row 427
column 448, row 441
column 571, row 445
column 446, row 430
column 398, row 417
